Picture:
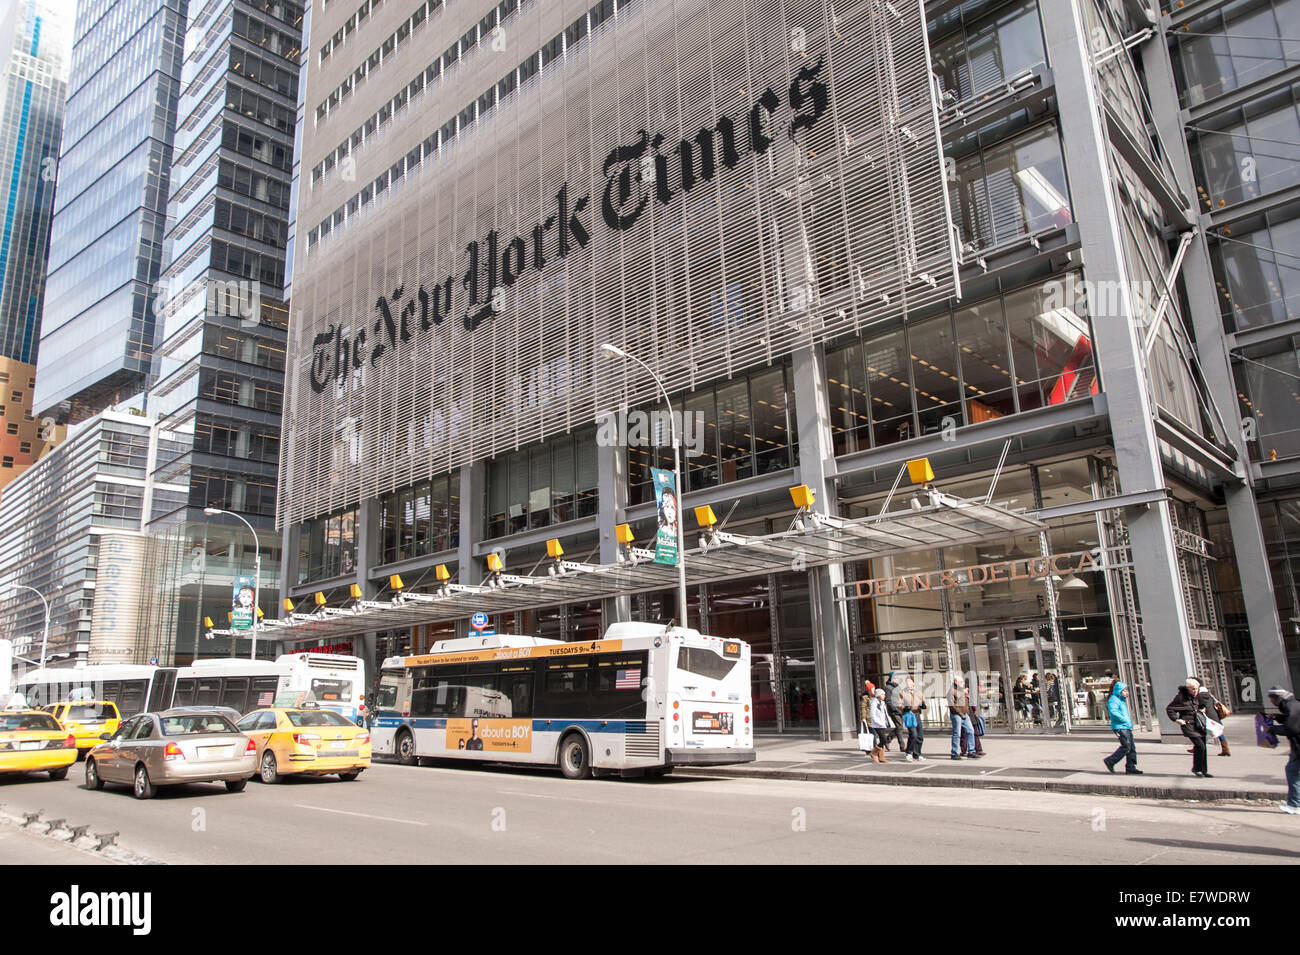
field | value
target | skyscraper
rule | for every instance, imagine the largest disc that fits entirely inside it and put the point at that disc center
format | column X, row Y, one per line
column 32, row 91
column 97, row 330
column 219, row 366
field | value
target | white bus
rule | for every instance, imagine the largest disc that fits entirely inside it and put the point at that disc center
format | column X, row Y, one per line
column 333, row 681
column 641, row 701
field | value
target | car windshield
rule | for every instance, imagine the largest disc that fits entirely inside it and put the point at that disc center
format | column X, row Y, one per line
column 317, row 718
column 13, row 722
column 196, row 724
column 84, row 712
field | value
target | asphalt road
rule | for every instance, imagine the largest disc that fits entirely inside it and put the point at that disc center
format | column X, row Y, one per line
column 396, row 814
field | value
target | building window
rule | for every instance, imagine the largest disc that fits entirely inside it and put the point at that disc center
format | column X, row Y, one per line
column 734, row 430
column 420, row 520
column 550, row 483
column 328, row 546
column 6, row 462
column 11, row 428
column 988, row 51
column 1258, row 275
column 1012, row 189
column 982, row 361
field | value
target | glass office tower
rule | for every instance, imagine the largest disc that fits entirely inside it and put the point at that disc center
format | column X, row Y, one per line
column 98, row 325
column 33, row 87
column 219, row 367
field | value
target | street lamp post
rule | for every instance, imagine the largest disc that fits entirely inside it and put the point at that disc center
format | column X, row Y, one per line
column 45, row 642
column 257, row 569
column 615, row 352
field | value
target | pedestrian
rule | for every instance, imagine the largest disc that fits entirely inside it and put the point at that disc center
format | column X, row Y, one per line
column 913, row 703
column 881, row 725
column 1216, row 710
column 892, row 690
column 959, row 714
column 1054, row 699
column 1121, row 722
column 1020, row 695
column 1185, row 710
column 864, row 702
column 1287, row 723
column 977, row 724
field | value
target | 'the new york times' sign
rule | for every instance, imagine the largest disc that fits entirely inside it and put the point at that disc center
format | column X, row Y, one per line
column 708, row 185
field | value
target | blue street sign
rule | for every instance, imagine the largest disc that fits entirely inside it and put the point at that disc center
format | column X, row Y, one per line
column 479, row 621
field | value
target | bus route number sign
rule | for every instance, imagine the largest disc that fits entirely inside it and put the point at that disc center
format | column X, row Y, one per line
column 479, row 621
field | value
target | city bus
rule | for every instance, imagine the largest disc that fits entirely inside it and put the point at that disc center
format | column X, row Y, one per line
column 644, row 699
column 333, row 681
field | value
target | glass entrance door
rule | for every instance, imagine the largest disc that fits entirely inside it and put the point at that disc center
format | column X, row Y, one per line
column 984, row 663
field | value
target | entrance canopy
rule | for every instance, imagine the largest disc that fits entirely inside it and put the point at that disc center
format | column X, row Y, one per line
column 813, row 540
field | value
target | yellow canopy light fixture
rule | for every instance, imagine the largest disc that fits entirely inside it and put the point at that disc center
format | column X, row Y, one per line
column 355, row 591
column 705, row 517
column 623, row 532
column 320, row 598
column 803, row 496
column 494, row 563
column 260, row 613
column 288, row 605
column 442, row 573
column 395, row 581
column 207, row 622
column 919, row 471
column 553, row 548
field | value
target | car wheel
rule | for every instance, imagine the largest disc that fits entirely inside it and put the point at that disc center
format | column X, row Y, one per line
column 575, row 759
column 406, row 749
column 143, row 789
column 348, row 777
column 57, row 774
column 92, row 776
column 236, row 785
column 270, row 772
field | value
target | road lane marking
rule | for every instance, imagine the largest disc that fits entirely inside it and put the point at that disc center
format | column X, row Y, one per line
column 363, row 815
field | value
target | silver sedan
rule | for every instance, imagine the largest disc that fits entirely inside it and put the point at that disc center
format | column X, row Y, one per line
column 172, row 747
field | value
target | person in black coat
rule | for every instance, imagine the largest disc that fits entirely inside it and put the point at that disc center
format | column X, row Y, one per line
column 1287, row 723
column 1185, row 709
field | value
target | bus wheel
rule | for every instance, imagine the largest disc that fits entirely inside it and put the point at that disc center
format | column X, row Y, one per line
column 406, row 749
column 575, row 758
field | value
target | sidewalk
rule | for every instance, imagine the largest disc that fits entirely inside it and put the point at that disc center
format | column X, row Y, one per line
column 1069, row 764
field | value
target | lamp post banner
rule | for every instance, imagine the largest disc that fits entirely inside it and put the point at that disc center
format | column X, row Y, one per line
column 712, row 184
column 241, row 611
column 669, row 512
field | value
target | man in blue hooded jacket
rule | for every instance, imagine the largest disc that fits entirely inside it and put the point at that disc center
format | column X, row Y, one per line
column 1122, row 723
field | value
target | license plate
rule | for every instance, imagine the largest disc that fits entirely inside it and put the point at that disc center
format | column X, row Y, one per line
column 338, row 744
column 214, row 752
column 34, row 745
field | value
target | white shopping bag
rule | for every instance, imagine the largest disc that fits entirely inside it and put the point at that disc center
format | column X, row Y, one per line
column 866, row 741
column 1213, row 728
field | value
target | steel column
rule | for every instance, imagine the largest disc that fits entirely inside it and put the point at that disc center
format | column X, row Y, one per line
column 829, row 619
column 1119, row 352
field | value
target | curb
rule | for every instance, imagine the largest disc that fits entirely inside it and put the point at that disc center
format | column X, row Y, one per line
column 998, row 782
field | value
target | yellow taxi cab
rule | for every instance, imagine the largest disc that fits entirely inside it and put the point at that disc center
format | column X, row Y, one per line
column 306, row 740
column 87, row 721
column 34, row 742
